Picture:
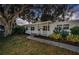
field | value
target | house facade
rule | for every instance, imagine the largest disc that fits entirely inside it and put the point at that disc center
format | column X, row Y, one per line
column 47, row 28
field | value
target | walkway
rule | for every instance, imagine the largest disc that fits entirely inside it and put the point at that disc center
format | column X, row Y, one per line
column 62, row 45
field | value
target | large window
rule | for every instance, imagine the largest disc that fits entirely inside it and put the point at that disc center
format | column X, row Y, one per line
column 59, row 26
column 66, row 26
column 45, row 28
column 32, row 28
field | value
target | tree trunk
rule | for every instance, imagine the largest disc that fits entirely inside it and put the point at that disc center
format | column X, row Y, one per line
column 8, row 30
column 8, row 26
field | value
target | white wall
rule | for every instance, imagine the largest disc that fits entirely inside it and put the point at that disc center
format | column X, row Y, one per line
column 74, row 23
column 29, row 31
column 51, row 26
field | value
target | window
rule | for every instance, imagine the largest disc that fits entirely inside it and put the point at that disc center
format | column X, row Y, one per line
column 44, row 28
column 66, row 26
column 59, row 27
column 32, row 28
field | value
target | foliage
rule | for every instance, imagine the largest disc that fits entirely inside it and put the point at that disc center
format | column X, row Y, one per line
column 61, row 32
column 55, row 36
column 57, row 11
column 59, row 35
column 64, row 34
column 9, row 13
column 73, row 38
column 19, row 30
column 75, row 30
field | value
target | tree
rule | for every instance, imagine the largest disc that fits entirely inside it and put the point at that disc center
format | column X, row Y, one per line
column 75, row 30
column 8, row 14
column 52, row 12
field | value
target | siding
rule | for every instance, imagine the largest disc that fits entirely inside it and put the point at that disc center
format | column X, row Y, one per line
column 52, row 26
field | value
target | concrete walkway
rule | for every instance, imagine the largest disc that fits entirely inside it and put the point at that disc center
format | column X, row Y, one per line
column 62, row 45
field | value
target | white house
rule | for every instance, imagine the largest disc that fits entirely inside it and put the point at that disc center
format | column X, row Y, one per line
column 46, row 28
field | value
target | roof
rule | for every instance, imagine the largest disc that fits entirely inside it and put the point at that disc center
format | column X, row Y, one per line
column 45, row 22
column 77, row 20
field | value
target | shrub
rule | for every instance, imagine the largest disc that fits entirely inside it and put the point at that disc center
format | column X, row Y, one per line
column 73, row 38
column 75, row 30
column 55, row 36
column 18, row 30
column 64, row 34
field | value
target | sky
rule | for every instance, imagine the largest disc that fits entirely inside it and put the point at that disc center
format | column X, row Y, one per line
column 76, row 14
column 76, row 8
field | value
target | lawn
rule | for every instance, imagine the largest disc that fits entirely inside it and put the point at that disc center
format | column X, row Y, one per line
column 20, row 45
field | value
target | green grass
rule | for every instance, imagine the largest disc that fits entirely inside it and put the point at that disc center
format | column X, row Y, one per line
column 20, row 45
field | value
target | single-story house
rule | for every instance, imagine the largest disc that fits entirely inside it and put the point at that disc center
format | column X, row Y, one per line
column 47, row 28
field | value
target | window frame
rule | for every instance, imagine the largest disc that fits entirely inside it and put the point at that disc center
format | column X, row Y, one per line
column 66, row 26
column 32, row 28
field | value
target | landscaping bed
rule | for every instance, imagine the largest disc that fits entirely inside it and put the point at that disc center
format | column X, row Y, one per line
column 62, row 41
